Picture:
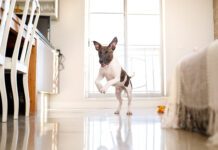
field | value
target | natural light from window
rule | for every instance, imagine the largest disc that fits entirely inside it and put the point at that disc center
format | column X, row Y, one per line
column 137, row 25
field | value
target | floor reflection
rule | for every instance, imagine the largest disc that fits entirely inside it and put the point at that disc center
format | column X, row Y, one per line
column 27, row 134
column 123, row 133
column 96, row 130
column 15, row 135
column 185, row 140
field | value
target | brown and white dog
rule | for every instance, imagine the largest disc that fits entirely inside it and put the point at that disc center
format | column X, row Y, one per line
column 114, row 74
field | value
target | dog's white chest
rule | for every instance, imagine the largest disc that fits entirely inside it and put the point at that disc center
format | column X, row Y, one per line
column 112, row 70
column 109, row 73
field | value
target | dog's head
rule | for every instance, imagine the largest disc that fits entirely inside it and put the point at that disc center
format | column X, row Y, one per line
column 105, row 53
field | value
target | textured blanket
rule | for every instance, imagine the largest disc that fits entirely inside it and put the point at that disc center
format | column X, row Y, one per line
column 193, row 102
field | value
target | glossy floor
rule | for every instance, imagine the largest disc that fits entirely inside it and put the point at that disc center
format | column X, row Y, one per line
column 96, row 130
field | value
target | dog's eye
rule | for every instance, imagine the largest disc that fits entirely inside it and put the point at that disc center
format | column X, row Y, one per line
column 106, row 52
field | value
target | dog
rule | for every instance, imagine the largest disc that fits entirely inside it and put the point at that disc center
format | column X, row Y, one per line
column 114, row 74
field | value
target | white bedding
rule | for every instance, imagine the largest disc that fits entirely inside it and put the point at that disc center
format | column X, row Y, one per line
column 193, row 102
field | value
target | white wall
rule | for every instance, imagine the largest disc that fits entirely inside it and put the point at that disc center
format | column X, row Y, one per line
column 67, row 34
column 187, row 24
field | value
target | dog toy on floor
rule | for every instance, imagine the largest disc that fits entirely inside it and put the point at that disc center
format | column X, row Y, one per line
column 161, row 109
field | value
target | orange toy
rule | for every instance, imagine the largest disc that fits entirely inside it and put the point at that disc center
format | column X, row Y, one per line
column 160, row 109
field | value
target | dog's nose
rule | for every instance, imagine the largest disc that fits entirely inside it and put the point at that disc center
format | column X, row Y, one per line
column 100, row 61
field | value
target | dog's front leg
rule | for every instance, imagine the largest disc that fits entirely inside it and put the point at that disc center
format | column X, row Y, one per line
column 109, row 83
column 98, row 82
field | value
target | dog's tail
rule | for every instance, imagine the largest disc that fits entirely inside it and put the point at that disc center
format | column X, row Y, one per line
column 132, row 75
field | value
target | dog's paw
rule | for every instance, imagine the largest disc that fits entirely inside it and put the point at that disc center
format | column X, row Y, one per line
column 129, row 113
column 103, row 90
column 117, row 112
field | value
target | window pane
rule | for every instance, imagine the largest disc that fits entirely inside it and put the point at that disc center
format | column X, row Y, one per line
column 119, row 54
column 144, row 30
column 143, row 6
column 104, row 27
column 136, row 61
column 115, row 6
column 93, row 67
column 142, row 54
column 145, row 62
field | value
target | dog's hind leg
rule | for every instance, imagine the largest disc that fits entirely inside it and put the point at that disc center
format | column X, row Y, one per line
column 128, row 91
column 119, row 98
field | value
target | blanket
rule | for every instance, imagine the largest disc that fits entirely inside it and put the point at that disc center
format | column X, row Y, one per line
column 193, row 102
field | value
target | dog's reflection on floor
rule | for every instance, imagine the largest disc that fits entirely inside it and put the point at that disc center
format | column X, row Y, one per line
column 122, row 138
column 124, row 142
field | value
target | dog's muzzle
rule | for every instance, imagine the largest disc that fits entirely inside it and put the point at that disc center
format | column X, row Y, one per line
column 103, row 65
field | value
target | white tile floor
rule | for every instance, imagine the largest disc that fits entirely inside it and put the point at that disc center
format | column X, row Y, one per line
column 97, row 130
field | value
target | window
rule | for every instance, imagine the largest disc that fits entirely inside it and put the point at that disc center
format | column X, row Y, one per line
column 137, row 24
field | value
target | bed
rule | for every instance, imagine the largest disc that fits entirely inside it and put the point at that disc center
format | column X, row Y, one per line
column 193, row 101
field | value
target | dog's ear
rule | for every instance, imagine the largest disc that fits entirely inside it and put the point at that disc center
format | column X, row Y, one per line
column 97, row 45
column 113, row 43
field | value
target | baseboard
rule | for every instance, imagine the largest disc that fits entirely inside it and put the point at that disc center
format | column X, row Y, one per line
column 108, row 103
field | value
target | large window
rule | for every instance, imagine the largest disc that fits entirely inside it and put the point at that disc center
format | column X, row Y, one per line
column 137, row 25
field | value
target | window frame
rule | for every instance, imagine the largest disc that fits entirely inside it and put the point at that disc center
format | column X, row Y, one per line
column 125, row 44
